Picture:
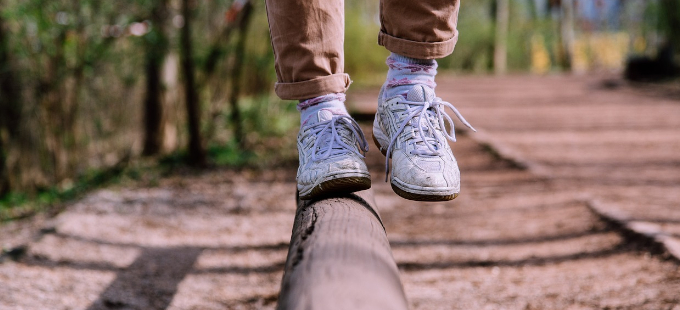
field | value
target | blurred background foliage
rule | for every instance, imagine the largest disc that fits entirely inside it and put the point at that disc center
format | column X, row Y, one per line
column 89, row 87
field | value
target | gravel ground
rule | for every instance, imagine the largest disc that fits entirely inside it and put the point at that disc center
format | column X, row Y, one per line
column 617, row 142
column 514, row 239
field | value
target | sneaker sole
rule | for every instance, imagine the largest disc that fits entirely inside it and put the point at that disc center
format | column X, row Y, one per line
column 409, row 195
column 338, row 186
column 420, row 197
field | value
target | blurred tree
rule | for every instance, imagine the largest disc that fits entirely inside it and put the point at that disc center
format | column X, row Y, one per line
column 245, row 8
column 566, row 33
column 197, row 154
column 83, row 84
column 61, row 47
column 500, row 55
column 670, row 20
column 10, row 107
column 156, row 44
column 665, row 16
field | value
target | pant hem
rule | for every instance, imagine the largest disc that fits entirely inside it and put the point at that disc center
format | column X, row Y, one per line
column 415, row 49
column 334, row 83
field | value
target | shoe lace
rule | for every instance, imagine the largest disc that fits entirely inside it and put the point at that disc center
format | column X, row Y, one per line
column 428, row 117
column 329, row 135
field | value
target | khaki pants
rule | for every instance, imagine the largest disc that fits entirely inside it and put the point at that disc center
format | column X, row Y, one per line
column 308, row 36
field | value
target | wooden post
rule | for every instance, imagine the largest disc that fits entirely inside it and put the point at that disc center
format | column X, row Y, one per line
column 340, row 258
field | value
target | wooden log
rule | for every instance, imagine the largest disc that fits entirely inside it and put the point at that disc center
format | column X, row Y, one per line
column 340, row 258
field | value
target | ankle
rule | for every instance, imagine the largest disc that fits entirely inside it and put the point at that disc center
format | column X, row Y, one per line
column 308, row 108
column 404, row 72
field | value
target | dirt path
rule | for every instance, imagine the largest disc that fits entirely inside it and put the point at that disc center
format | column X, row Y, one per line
column 514, row 239
column 617, row 144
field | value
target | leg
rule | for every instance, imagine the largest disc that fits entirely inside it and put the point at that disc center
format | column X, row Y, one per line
column 424, row 29
column 417, row 33
column 410, row 125
column 307, row 37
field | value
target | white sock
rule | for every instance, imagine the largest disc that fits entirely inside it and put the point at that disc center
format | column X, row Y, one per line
column 405, row 72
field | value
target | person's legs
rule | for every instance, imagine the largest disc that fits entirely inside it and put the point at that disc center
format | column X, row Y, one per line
column 424, row 29
column 307, row 37
column 417, row 33
column 410, row 124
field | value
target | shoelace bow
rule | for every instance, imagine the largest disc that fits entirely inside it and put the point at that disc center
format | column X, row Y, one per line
column 336, row 146
column 426, row 115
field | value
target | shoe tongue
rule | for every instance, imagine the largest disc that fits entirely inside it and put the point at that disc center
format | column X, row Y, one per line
column 420, row 93
column 324, row 115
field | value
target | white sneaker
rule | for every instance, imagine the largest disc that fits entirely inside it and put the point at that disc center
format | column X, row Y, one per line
column 412, row 133
column 330, row 158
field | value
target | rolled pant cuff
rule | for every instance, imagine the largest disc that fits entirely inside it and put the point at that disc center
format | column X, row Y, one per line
column 334, row 83
column 414, row 49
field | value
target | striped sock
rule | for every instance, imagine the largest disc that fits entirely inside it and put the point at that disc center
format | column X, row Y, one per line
column 310, row 107
column 404, row 72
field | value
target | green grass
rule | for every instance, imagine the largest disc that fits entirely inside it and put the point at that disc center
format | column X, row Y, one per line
column 270, row 125
column 20, row 205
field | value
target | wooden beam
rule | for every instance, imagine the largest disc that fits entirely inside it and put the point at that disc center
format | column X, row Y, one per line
column 340, row 258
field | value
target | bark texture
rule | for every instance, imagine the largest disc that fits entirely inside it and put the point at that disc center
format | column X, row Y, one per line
column 340, row 258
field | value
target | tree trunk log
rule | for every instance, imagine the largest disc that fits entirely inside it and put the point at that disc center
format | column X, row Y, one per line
column 156, row 50
column 197, row 155
column 236, row 120
column 340, row 258
column 9, row 104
